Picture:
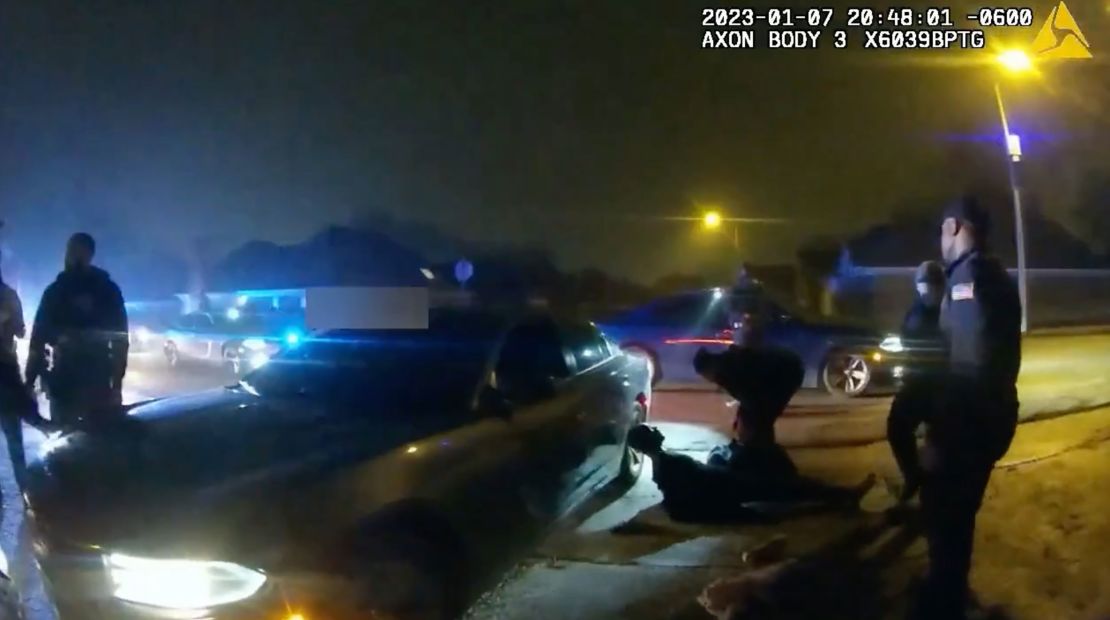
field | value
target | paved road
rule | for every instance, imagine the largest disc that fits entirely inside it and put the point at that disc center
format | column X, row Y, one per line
column 1058, row 371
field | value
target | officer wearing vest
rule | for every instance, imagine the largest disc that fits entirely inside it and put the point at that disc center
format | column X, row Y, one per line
column 977, row 415
column 83, row 320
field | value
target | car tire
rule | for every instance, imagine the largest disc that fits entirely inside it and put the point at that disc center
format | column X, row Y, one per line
column 632, row 462
column 405, row 576
column 653, row 361
column 846, row 374
column 173, row 357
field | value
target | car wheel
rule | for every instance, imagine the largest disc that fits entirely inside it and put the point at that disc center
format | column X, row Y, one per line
column 632, row 462
column 173, row 358
column 652, row 359
column 404, row 576
column 846, row 374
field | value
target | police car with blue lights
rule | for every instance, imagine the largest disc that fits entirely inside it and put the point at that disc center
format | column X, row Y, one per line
column 240, row 342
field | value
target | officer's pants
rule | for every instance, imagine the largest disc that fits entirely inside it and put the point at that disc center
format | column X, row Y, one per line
column 950, row 501
column 975, row 433
column 910, row 409
column 15, row 402
column 12, row 426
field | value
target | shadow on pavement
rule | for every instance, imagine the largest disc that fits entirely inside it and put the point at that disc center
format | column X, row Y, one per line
column 860, row 576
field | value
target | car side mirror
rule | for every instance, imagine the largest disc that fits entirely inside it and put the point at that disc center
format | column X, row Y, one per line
column 491, row 401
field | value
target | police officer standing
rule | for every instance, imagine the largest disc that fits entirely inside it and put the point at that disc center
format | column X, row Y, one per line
column 83, row 320
column 916, row 398
column 16, row 401
column 977, row 416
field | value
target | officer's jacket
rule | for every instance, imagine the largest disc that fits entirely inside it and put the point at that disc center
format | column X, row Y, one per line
column 82, row 317
column 921, row 333
column 981, row 322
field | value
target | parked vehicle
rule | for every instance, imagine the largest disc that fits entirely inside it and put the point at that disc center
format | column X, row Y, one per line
column 360, row 472
column 842, row 359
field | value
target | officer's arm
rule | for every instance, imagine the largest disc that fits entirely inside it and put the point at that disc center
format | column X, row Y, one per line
column 19, row 326
column 42, row 333
column 999, row 325
column 117, row 323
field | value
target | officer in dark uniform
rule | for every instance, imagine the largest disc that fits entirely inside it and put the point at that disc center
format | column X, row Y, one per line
column 762, row 378
column 977, row 416
column 916, row 397
column 83, row 320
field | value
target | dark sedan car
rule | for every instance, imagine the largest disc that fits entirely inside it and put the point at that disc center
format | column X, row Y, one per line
column 845, row 360
column 359, row 472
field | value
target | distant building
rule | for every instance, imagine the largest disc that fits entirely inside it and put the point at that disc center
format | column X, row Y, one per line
column 873, row 278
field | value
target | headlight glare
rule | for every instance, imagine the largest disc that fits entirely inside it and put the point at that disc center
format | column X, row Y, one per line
column 892, row 344
column 254, row 344
column 181, row 584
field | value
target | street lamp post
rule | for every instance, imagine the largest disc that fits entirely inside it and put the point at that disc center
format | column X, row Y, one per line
column 1015, row 61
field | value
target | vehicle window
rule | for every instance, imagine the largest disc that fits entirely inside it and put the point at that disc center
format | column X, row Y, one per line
column 587, row 344
column 531, row 355
column 419, row 371
column 690, row 312
column 203, row 321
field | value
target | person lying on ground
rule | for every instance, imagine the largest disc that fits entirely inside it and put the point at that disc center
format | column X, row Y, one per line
column 702, row 493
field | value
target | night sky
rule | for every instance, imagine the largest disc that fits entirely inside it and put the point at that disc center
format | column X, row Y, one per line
column 571, row 125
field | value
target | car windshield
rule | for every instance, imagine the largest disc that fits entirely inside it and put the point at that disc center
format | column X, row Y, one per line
column 416, row 368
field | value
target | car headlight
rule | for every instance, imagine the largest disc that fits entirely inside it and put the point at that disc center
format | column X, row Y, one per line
column 259, row 359
column 254, row 344
column 142, row 334
column 181, row 584
column 893, row 344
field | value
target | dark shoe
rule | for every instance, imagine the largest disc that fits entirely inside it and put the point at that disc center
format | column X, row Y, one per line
column 645, row 439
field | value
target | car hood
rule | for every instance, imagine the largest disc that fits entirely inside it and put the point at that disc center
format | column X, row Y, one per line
column 186, row 455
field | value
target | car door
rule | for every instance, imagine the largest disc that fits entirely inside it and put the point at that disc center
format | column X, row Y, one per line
column 534, row 373
column 693, row 322
column 603, row 407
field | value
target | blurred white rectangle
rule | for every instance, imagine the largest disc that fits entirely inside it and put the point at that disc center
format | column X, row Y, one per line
column 366, row 308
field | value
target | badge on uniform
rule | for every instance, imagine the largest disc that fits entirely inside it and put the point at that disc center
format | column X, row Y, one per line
column 961, row 292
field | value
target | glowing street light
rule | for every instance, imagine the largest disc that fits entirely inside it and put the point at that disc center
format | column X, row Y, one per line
column 1015, row 61
column 711, row 220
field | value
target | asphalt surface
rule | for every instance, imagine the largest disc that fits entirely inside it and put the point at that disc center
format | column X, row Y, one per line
column 1059, row 372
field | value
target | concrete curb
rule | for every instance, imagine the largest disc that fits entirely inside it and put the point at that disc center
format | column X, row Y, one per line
column 1064, row 330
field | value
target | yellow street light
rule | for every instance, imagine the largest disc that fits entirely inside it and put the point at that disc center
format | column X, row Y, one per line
column 711, row 219
column 1015, row 61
